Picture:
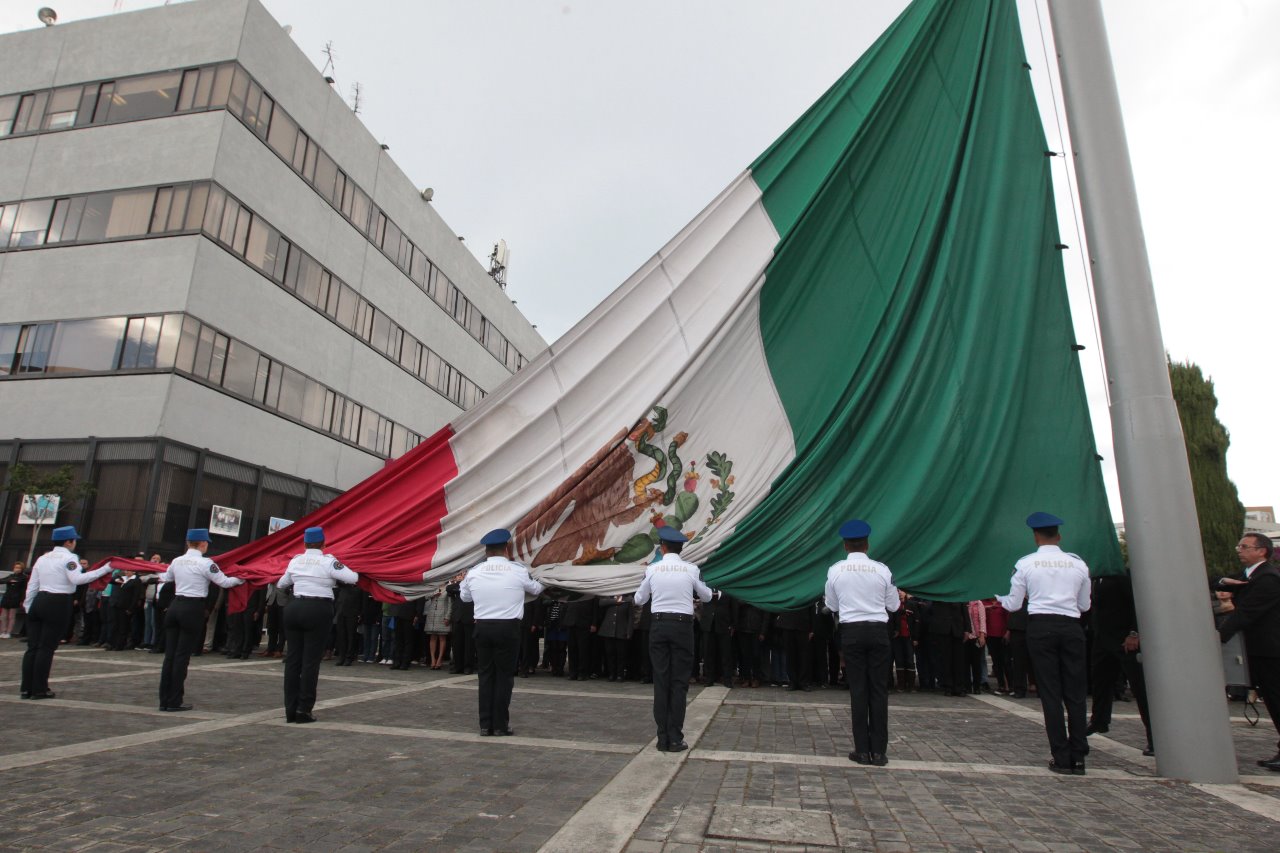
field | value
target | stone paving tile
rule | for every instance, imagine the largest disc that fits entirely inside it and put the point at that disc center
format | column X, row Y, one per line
column 916, row 810
column 290, row 787
column 600, row 720
column 980, row 735
column 31, row 726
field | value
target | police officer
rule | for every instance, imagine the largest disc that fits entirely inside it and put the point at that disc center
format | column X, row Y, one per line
column 672, row 583
column 861, row 592
column 311, row 576
column 497, row 587
column 190, row 575
column 1056, row 586
column 54, row 578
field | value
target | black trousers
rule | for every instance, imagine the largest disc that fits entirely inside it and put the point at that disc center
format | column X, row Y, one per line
column 948, row 655
column 867, row 657
column 671, row 653
column 999, row 661
column 275, row 625
column 402, row 646
column 183, row 634
column 750, row 656
column 1057, row 648
column 306, row 631
column 1019, row 662
column 580, row 652
column 717, row 657
column 121, row 628
column 1108, row 660
column 497, row 650
column 1264, row 672
column 528, row 648
column 796, row 646
column 47, row 622
column 346, row 643
column 462, row 647
column 615, row 657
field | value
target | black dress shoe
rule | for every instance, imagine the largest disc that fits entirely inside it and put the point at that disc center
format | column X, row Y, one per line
column 1095, row 729
column 304, row 717
column 662, row 746
column 178, row 708
column 677, row 747
column 1077, row 768
column 26, row 694
column 879, row 759
column 503, row 732
column 1273, row 765
column 1263, row 762
column 860, row 757
column 1055, row 767
column 1148, row 750
column 43, row 694
column 486, row 733
column 1021, row 694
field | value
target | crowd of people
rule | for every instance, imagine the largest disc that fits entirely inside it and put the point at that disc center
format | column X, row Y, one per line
column 952, row 648
column 949, row 648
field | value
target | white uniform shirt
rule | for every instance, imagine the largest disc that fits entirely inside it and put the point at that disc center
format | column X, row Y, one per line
column 58, row 571
column 497, row 586
column 672, row 583
column 191, row 574
column 314, row 574
column 1053, row 582
column 860, row 589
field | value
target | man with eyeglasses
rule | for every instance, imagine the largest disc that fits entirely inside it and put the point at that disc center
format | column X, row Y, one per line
column 1256, row 595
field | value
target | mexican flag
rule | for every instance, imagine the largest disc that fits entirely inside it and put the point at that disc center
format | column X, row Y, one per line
column 870, row 321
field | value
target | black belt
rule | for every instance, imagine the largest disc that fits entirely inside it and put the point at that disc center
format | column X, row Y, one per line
column 189, row 598
column 673, row 617
column 496, row 621
column 867, row 622
column 1051, row 617
column 312, row 598
column 57, row 594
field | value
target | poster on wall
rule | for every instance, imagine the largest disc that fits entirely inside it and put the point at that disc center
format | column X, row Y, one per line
column 224, row 521
column 38, row 509
column 277, row 524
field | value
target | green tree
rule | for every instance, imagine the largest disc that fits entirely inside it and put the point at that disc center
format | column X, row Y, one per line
column 25, row 480
column 1218, row 506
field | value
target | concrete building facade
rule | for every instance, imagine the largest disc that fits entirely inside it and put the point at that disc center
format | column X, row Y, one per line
column 216, row 287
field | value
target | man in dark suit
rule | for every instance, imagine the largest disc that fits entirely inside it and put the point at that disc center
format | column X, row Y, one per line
column 1256, row 594
column 716, row 621
column 1116, row 644
column 948, row 624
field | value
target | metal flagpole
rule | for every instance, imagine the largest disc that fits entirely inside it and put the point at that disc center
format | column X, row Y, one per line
column 1180, row 650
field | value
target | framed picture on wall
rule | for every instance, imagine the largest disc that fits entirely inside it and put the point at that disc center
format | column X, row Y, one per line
column 39, row 509
column 277, row 524
column 224, row 521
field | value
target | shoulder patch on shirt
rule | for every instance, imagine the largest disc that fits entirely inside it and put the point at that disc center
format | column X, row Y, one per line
column 213, row 568
column 72, row 565
column 337, row 564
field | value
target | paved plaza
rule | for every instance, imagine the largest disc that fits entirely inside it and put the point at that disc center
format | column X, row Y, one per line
column 396, row 763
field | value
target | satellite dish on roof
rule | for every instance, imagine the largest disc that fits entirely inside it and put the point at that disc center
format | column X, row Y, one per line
column 428, row 194
column 47, row 16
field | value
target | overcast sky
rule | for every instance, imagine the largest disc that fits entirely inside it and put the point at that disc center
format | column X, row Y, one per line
column 587, row 132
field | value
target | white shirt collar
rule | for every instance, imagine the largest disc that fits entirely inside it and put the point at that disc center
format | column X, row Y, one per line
column 1249, row 571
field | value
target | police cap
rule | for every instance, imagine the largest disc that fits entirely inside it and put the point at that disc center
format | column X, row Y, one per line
column 312, row 535
column 496, row 537
column 62, row 534
column 198, row 534
column 1043, row 519
column 855, row 529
